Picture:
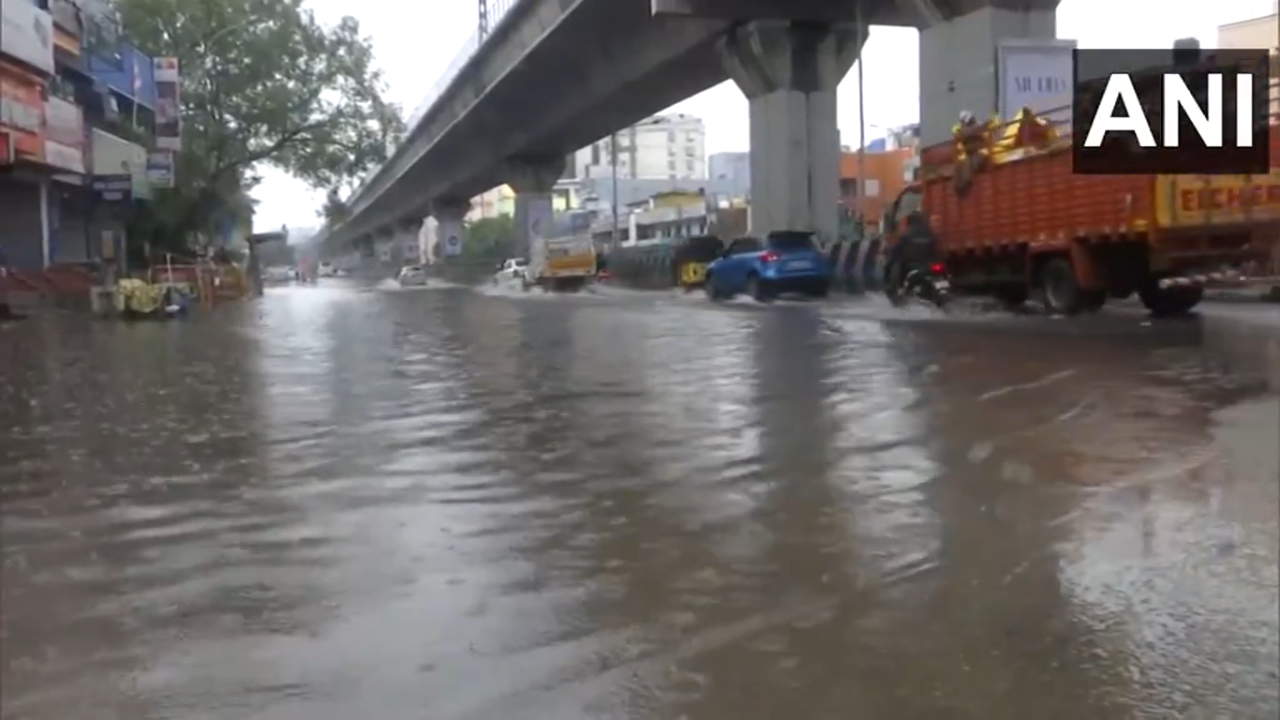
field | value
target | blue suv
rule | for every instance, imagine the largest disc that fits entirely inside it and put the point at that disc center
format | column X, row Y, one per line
column 784, row 262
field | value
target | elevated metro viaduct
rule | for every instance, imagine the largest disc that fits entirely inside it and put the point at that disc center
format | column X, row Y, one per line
column 557, row 75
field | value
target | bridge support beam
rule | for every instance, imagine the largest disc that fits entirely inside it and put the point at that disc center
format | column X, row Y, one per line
column 789, row 72
column 533, row 180
column 958, row 58
column 450, row 214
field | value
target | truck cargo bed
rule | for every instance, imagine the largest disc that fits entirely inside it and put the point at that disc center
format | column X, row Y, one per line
column 1036, row 201
column 1039, row 202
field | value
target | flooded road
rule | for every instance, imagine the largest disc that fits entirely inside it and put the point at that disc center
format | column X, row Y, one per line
column 441, row 505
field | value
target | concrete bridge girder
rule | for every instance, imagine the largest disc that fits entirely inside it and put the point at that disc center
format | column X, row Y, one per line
column 630, row 62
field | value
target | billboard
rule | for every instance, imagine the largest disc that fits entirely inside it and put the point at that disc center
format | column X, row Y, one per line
column 64, row 135
column 26, row 34
column 160, row 168
column 1035, row 74
column 168, row 104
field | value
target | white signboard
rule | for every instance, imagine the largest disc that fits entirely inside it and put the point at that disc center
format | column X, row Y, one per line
column 452, row 246
column 1035, row 74
column 26, row 33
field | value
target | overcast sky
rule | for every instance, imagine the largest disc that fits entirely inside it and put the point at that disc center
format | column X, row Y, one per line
column 414, row 47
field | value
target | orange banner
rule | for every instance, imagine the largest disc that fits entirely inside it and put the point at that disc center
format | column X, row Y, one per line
column 22, row 112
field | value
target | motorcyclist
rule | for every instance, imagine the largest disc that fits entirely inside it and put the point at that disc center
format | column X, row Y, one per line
column 916, row 249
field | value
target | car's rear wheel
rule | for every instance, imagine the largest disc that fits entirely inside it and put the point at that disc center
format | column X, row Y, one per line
column 820, row 290
column 757, row 289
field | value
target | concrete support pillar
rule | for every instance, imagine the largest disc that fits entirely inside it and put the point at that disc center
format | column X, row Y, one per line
column 533, row 181
column 450, row 215
column 405, row 244
column 958, row 58
column 789, row 72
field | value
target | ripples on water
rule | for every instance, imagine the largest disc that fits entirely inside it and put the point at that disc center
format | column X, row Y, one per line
column 624, row 505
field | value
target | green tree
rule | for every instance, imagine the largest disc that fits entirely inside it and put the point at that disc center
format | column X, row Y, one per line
column 262, row 82
column 488, row 239
column 335, row 210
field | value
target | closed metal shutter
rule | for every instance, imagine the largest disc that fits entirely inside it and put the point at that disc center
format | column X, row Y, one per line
column 68, row 210
column 22, row 232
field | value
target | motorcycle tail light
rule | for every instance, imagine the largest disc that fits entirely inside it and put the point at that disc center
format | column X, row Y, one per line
column 937, row 268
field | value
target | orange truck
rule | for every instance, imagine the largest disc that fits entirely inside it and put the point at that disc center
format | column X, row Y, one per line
column 1020, row 223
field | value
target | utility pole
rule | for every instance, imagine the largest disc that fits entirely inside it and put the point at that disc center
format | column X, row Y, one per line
column 861, row 184
column 613, row 162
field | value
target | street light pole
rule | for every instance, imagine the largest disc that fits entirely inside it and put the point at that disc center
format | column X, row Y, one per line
column 613, row 162
column 862, row 127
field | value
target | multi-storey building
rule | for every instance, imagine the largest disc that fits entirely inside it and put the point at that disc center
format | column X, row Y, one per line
column 661, row 147
column 732, row 173
column 1259, row 32
column 69, row 91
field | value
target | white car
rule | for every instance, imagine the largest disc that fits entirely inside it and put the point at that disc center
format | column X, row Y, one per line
column 412, row 276
column 279, row 274
column 511, row 270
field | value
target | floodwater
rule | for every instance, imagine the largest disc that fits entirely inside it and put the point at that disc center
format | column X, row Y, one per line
column 451, row 505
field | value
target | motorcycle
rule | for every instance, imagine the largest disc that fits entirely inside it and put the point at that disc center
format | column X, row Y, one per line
column 931, row 285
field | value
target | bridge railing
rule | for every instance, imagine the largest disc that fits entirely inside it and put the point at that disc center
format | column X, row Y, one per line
column 496, row 11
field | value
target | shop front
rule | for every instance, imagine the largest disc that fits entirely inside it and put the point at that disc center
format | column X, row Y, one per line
column 70, row 199
column 24, row 187
column 119, row 180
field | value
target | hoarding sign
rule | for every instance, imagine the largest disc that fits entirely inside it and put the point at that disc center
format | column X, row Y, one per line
column 113, row 155
column 168, row 104
column 113, row 188
column 64, row 135
column 22, row 113
column 26, row 34
column 1172, row 115
column 160, row 168
column 1037, row 75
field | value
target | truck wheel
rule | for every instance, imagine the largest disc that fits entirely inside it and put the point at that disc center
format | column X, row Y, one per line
column 1062, row 294
column 1163, row 302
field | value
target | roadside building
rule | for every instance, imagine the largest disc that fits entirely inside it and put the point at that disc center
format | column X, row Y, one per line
column 670, row 147
column 26, row 67
column 887, row 173
column 1259, row 32
column 66, row 107
column 119, row 98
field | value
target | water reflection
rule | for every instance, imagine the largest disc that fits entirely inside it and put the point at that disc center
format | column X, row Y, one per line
column 337, row 503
